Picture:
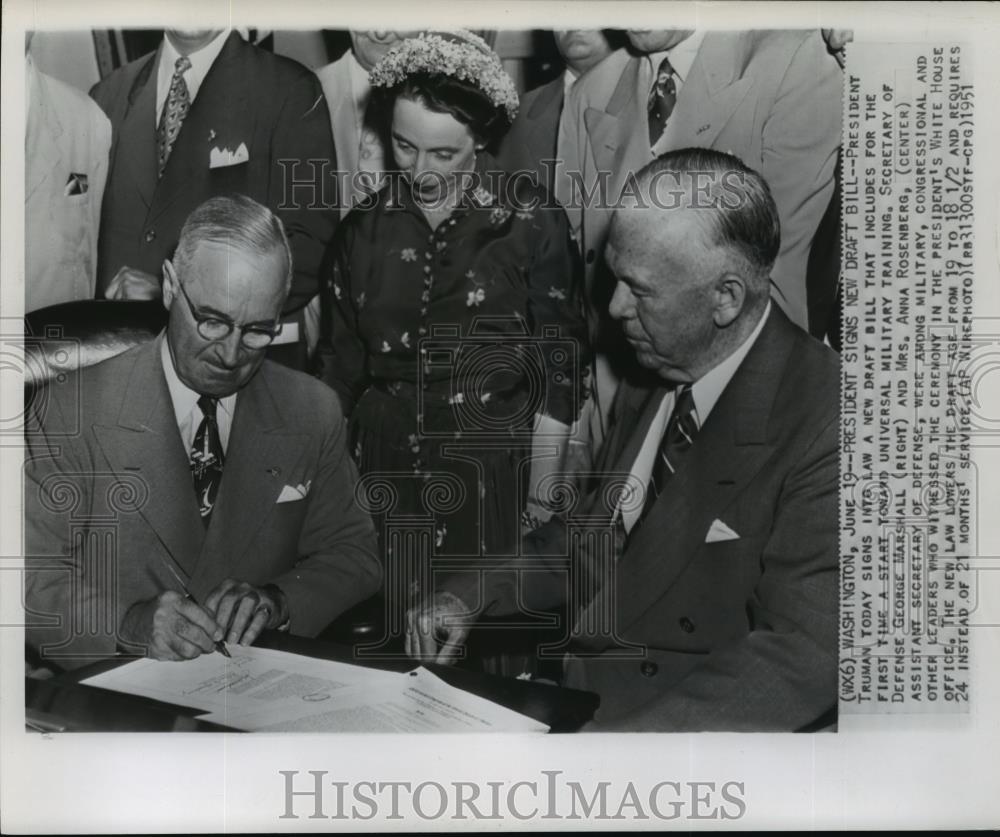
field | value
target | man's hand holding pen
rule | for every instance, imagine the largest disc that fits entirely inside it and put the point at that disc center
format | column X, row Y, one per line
column 174, row 626
column 171, row 627
column 246, row 610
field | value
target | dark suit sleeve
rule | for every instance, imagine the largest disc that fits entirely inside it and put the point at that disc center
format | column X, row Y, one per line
column 338, row 567
column 341, row 351
column 800, row 143
column 302, row 159
column 783, row 674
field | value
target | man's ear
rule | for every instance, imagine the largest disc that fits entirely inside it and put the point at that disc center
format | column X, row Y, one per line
column 730, row 296
column 169, row 284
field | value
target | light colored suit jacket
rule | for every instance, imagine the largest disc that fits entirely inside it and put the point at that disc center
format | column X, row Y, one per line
column 346, row 122
column 115, row 504
column 67, row 134
column 682, row 632
column 771, row 97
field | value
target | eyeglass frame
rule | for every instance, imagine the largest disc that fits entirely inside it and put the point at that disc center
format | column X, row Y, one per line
column 201, row 318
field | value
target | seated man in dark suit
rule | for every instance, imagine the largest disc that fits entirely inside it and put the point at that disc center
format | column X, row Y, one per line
column 710, row 598
column 187, row 491
column 209, row 114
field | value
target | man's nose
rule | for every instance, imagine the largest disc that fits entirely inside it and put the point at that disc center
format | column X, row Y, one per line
column 621, row 302
column 230, row 348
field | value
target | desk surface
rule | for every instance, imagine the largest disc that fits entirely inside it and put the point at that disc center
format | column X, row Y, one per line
column 64, row 704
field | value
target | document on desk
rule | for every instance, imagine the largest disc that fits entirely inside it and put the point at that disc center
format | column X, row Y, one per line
column 261, row 689
column 250, row 679
column 416, row 702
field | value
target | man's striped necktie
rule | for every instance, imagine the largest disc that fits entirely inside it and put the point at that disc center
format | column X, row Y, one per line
column 679, row 435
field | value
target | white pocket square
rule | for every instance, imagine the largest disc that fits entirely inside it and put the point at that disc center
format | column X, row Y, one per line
column 291, row 493
column 719, row 531
column 221, row 157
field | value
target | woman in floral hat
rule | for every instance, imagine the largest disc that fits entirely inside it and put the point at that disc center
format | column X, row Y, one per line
column 455, row 332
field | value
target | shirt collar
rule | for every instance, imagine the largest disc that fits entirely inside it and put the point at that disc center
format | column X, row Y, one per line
column 184, row 399
column 681, row 56
column 201, row 62
column 707, row 389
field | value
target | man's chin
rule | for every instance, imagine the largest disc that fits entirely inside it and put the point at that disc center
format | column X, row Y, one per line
column 654, row 363
column 219, row 382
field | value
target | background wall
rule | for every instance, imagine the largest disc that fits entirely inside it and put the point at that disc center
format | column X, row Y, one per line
column 69, row 56
column 528, row 55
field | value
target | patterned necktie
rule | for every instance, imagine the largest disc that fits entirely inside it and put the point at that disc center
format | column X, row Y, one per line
column 677, row 438
column 207, row 458
column 662, row 99
column 174, row 111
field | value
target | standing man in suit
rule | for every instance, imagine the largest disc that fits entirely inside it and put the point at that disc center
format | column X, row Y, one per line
column 718, row 602
column 191, row 464
column 208, row 114
column 361, row 150
column 770, row 97
column 537, row 132
column 66, row 166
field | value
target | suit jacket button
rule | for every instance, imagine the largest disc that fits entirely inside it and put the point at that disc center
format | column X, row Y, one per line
column 648, row 669
column 686, row 625
column 591, row 255
column 150, row 235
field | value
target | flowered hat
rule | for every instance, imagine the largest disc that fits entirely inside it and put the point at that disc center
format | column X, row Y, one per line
column 460, row 54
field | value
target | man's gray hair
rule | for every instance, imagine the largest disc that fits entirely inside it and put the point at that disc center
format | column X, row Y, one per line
column 235, row 220
column 741, row 212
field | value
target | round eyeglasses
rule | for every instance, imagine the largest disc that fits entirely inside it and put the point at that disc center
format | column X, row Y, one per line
column 219, row 327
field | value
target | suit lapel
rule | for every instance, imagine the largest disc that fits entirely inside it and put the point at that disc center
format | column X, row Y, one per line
column 543, row 121
column 729, row 451
column 712, row 92
column 137, row 137
column 261, row 459
column 634, row 409
column 146, row 441
column 609, row 138
column 218, row 117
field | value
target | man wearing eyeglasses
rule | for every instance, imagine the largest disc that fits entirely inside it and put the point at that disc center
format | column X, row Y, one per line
column 212, row 493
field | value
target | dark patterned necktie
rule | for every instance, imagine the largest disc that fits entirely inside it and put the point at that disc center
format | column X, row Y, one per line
column 207, row 458
column 677, row 438
column 662, row 99
column 176, row 108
